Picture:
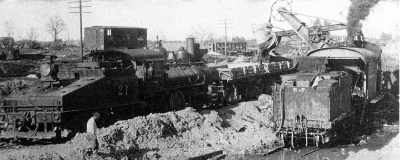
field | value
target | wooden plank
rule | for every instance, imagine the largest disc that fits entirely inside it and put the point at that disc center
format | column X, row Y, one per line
column 208, row 155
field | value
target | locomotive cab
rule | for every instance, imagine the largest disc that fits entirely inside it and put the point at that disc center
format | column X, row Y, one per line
column 362, row 63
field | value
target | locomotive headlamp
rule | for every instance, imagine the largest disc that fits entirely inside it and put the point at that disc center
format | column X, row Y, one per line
column 46, row 69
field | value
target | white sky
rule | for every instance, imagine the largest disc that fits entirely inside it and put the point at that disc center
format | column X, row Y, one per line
column 175, row 19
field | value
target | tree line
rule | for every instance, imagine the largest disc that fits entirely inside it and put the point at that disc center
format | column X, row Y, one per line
column 54, row 27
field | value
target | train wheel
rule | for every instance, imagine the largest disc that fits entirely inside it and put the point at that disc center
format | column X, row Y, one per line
column 177, row 101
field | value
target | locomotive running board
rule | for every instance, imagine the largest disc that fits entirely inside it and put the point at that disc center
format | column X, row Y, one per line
column 28, row 135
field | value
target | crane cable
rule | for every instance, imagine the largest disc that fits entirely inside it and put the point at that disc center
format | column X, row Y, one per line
column 317, row 17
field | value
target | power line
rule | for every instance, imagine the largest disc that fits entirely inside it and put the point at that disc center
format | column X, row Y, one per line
column 80, row 20
column 225, row 26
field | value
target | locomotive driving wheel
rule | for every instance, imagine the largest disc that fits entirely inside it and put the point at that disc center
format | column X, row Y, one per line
column 177, row 101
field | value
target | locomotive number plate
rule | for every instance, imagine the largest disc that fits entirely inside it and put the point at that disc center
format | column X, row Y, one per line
column 299, row 89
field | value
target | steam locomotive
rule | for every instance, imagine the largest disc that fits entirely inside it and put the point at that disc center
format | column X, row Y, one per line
column 121, row 83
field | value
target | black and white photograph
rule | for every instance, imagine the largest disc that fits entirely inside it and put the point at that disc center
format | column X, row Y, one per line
column 199, row 79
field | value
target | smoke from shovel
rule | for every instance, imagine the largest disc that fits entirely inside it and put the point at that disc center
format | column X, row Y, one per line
column 358, row 10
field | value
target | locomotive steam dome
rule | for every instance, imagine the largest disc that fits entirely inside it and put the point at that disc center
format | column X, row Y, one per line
column 161, row 49
column 182, row 55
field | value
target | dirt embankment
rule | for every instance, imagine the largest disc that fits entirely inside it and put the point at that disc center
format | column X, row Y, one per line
column 236, row 130
column 391, row 151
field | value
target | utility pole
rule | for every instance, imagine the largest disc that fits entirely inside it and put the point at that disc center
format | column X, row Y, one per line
column 80, row 21
column 226, row 37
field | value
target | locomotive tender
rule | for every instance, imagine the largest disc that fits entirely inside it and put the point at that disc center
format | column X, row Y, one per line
column 121, row 83
column 333, row 87
column 330, row 95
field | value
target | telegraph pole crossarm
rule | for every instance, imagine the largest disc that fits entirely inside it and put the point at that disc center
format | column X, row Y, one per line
column 80, row 21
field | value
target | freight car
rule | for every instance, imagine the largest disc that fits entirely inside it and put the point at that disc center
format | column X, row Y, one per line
column 112, row 37
column 232, row 48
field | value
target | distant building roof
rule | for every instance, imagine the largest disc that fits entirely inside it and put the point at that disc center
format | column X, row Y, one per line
column 126, row 27
column 230, row 43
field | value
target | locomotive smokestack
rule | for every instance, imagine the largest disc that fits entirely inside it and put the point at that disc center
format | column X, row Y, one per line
column 190, row 47
column 358, row 10
column 356, row 39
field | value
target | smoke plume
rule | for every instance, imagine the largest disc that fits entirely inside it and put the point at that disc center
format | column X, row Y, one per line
column 358, row 10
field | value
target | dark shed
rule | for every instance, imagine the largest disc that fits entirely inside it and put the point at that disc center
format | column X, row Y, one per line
column 112, row 37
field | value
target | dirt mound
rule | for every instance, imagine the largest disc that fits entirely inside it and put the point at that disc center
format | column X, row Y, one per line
column 233, row 129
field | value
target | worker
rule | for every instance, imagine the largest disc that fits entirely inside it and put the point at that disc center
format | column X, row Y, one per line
column 91, row 129
column 150, row 70
column 268, row 40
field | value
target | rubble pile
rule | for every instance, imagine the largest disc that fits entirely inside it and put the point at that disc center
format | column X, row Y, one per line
column 237, row 129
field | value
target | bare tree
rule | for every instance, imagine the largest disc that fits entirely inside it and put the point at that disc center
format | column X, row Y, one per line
column 238, row 39
column 385, row 37
column 55, row 26
column 202, row 35
column 9, row 28
column 317, row 22
column 32, row 34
